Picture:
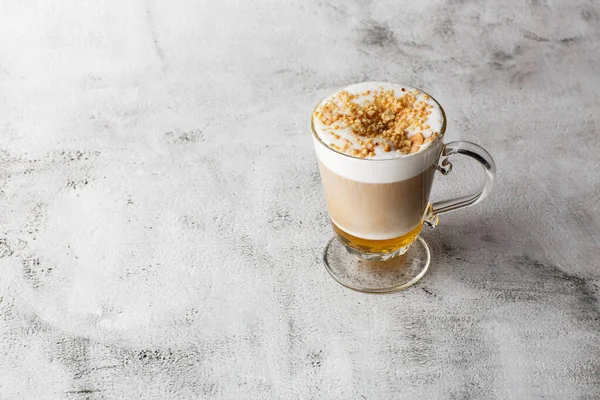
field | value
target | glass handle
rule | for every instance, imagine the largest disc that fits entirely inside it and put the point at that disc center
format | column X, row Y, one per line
column 487, row 162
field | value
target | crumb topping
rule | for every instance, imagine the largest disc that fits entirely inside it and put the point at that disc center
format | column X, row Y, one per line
column 377, row 119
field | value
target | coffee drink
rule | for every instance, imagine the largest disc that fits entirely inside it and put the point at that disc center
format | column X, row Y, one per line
column 377, row 146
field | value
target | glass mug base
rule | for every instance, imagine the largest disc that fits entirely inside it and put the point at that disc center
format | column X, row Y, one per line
column 397, row 273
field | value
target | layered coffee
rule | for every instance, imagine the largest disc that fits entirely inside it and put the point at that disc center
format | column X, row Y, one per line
column 377, row 149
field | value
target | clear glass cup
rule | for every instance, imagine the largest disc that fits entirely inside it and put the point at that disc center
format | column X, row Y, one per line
column 400, row 257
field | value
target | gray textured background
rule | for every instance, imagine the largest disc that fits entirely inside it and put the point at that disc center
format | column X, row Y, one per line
column 162, row 220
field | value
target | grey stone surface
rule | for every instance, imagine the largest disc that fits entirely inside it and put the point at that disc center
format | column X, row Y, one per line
column 162, row 220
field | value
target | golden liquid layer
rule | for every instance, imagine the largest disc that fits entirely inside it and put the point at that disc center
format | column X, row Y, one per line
column 377, row 246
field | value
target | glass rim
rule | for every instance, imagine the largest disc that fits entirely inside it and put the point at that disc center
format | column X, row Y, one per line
column 401, row 156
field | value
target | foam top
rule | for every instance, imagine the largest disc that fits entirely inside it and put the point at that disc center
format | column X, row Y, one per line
column 380, row 166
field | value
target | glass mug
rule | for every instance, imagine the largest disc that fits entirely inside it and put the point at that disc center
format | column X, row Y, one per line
column 378, row 212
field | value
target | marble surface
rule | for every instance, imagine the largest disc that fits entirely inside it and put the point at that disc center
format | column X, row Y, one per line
column 162, row 219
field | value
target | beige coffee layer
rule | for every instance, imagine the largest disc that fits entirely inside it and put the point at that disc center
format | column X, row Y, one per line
column 376, row 211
